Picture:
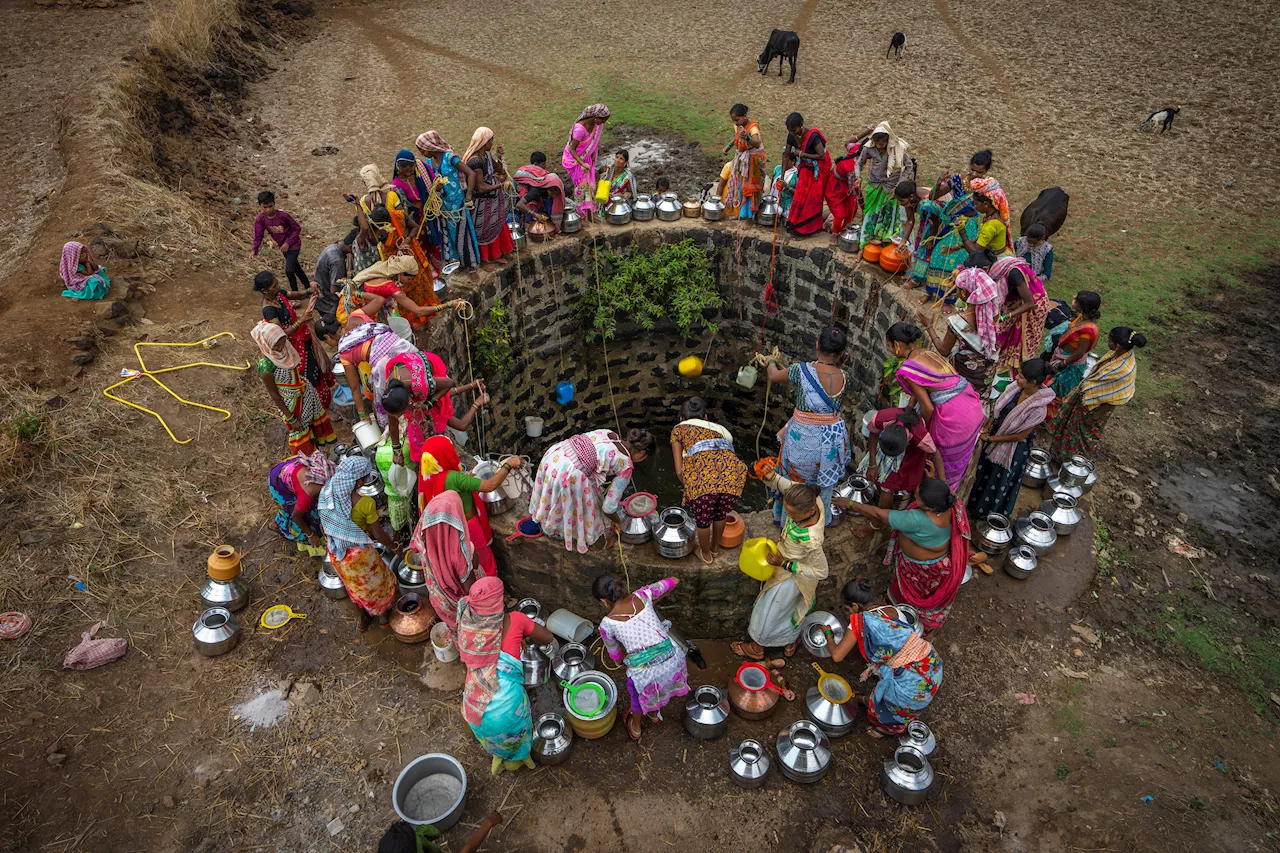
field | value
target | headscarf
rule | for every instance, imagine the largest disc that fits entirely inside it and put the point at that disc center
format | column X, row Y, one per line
column 480, row 616
column 478, row 139
column 334, row 506
column 442, row 540
column 319, row 468
column 441, row 449
column 267, row 336
column 896, row 150
column 392, row 266
column 597, row 111
column 990, row 188
column 69, row 266
column 373, row 180
column 986, row 295
column 419, row 185
column 432, row 143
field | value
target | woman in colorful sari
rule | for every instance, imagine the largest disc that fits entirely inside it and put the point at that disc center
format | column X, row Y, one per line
column 898, row 448
column 459, row 231
column 970, row 340
column 993, row 206
column 807, row 149
column 441, row 470
column 351, row 527
column 799, row 565
column 494, row 701
column 1078, row 425
column 907, row 665
column 745, row 182
column 784, row 184
column 489, row 176
column 387, row 279
column 410, row 394
column 546, row 188
column 880, row 167
column 929, row 549
column 296, row 399
column 295, row 485
column 621, row 181
column 83, row 276
column 946, row 400
column 941, row 226
column 1069, row 359
column 1007, row 441
column 815, row 445
column 581, row 153
column 712, row 474
column 363, row 352
column 277, row 308
column 405, row 205
column 569, row 500
column 444, row 543
column 366, row 248
column 1020, row 329
column 634, row 632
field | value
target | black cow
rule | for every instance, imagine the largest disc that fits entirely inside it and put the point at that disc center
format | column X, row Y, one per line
column 896, row 44
column 1163, row 116
column 1049, row 209
column 784, row 44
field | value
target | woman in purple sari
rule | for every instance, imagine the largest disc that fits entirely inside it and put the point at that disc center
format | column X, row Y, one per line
column 581, row 152
column 946, row 401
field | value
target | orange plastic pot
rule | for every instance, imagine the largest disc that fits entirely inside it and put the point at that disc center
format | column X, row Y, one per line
column 893, row 259
column 735, row 530
column 871, row 252
column 224, row 563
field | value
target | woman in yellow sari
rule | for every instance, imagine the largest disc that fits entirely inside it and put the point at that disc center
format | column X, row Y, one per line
column 744, row 182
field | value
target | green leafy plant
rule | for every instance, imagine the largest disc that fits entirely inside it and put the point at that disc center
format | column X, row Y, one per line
column 27, row 426
column 493, row 348
column 1063, row 770
column 674, row 283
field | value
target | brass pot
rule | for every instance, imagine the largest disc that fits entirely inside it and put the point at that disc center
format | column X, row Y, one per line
column 748, row 696
column 692, row 208
column 412, row 618
column 540, row 232
column 224, row 563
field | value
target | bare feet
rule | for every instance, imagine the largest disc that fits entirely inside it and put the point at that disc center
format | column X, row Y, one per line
column 362, row 621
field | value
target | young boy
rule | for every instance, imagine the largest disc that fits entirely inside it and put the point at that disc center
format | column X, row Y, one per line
column 1033, row 248
column 287, row 234
column 663, row 186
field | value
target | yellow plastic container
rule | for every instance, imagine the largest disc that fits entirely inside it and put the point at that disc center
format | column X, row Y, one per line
column 602, row 191
column 690, row 366
column 752, row 558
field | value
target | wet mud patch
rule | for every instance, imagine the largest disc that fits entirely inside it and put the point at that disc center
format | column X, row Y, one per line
column 687, row 165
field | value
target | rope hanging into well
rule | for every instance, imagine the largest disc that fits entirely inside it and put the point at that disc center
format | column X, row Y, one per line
column 617, row 424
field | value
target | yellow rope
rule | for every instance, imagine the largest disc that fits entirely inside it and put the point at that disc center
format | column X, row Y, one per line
column 763, row 360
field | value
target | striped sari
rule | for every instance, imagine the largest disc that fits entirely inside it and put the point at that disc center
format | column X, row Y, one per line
column 957, row 414
column 940, row 235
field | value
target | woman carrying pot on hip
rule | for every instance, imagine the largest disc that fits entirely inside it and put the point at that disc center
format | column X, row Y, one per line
column 634, row 632
column 799, row 564
column 908, row 667
column 494, row 701
column 712, row 474
column 569, row 498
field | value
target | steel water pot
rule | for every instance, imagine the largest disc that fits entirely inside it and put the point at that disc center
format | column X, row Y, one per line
column 232, row 594
column 411, row 572
column 535, row 665
column 1036, row 531
column 668, row 207
column 552, row 740
column 1075, row 471
column 532, row 608
column 674, row 533
column 713, row 208
column 920, row 737
column 571, row 660
column 804, row 752
column 907, row 776
column 706, row 712
column 814, row 638
column 994, row 535
column 618, row 211
column 331, row 585
column 857, row 489
column 748, row 764
column 518, row 235
column 571, row 221
column 769, row 210
column 636, row 529
column 216, row 632
column 1021, row 562
column 828, row 703
column 1054, row 486
column 851, row 238
column 1038, row 470
column 644, row 208
column 1063, row 510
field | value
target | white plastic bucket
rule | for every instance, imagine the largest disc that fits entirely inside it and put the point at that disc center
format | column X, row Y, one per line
column 440, row 634
column 569, row 626
column 532, row 426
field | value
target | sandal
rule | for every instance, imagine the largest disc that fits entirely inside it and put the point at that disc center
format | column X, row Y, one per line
column 875, row 733
column 633, row 732
column 789, row 650
column 703, row 557
column 781, row 681
column 740, row 649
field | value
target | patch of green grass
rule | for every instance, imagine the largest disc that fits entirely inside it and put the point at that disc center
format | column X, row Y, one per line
column 1110, row 742
column 1088, row 750
column 1063, row 770
column 1196, row 802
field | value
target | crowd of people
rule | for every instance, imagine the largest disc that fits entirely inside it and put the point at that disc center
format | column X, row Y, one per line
column 991, row 367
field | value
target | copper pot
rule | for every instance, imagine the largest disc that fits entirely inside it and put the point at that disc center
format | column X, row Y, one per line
column 541, row 231
column 412, row 618
column 748, row 695
column 224, row 563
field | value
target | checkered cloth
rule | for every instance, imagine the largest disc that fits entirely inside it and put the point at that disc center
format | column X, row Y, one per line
column 93, row 653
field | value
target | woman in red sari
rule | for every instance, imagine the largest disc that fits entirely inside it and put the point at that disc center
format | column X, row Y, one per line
column 277, row 308
column 816, row 183
column 929, row 550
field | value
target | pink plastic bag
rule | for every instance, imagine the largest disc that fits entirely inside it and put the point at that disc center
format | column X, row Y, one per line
column 93, row 653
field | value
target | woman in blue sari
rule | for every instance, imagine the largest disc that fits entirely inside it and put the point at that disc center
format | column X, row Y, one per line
column 494, row 702
column 941, row 228
column 455, row 222
column 907, row 665
column 815, row 442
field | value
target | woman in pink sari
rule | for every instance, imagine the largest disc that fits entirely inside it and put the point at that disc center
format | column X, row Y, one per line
column 581, row 152
column 947, row 402
column 1021, row 325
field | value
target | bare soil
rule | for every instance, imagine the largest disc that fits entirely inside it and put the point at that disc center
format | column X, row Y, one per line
column 1128, row 745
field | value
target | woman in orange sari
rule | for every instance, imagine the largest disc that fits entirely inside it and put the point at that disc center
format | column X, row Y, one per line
column 745, row 181
column 405, row 203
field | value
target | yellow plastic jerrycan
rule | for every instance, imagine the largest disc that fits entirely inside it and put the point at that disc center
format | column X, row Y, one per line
column 752, row 559
column 602, row 191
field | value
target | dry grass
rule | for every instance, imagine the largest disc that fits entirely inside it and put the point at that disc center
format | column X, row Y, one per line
column 185, row 32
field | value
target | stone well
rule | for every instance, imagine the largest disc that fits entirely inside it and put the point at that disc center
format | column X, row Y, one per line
column 635, row 374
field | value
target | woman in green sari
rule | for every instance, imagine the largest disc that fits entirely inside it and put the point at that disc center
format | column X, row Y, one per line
column 621, row 181
column 941, row 226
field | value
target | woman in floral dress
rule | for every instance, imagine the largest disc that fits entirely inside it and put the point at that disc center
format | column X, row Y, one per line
column 296, row 398
column 569, row 498
column 712, row 474
column 633, row 631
